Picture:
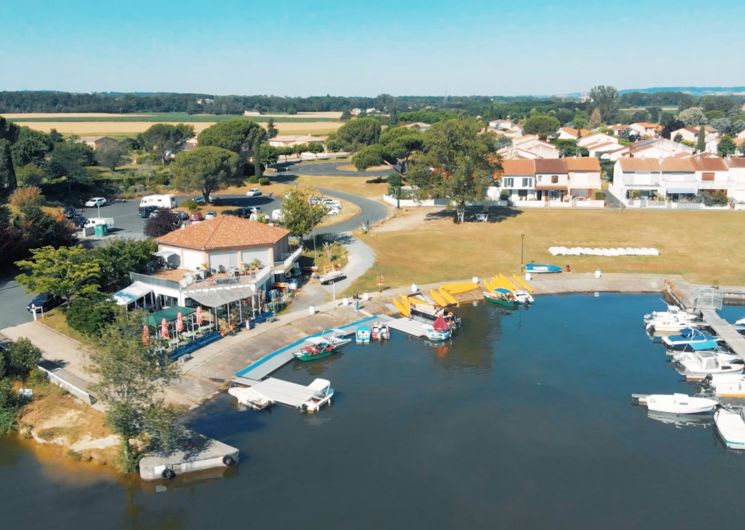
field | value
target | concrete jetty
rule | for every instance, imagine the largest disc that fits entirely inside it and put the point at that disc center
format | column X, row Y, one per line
column 725, row 330
column 204, row 453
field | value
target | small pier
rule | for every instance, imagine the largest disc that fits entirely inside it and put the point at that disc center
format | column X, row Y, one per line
column 204, row 453
column 404, row 325
column 279, row 391
column 725, row 330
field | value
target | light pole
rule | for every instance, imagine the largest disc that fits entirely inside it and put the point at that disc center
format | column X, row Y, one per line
column 98, row 208
column 522, row 252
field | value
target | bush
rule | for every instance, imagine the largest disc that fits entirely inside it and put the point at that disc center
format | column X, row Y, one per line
column 166, row 221
column 717, row 198
column 190, row 205
column 20, row 358
column 23, row 198
column 90, row 314
column 253, row 179
column 264, row 181
column 8, row 406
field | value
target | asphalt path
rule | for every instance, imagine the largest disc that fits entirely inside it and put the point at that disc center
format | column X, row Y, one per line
column 332, row 169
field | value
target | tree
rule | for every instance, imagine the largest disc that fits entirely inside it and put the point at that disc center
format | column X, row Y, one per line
column 30, row 175
column 119, row 257
column 20, row 358
column 66, row 272
column 605, row 99
column 701, row 140
column 395, row 183
column 24, row 199
column 345, row 115
column 69, row 159
column 271, row 130
column 595, row 119
column 239, row 135
column 131, row 378
column 110, row 153
column 204, row 169
column 299, row 214
column 542, row 125
column 692, row 117
column 722, row 125
column 580, row 119
column 397, row 144
column 89, row 314
column 726, row 146
column 355, row 134
column 7, row 172
column 163, row 222
column 458, row 163
column 165, row 139
column 31, row 147
column 569, row 147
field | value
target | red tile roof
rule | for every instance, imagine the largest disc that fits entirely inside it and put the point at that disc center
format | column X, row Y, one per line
column 518, row 167
column 585, row 163
column 550, row 165
column 224, row 233
column 709, row 163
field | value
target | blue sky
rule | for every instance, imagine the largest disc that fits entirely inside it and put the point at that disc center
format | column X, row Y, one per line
column 297, row 48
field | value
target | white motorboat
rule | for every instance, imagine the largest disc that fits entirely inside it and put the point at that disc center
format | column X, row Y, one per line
column 731, row 427
column 671, row 324
column 248, row 397
column 362, row 335
column 434, row 334
column 672, row 311
column 688, row 337
column 523, row 297
column 380, row 331
column 726, row 385
column 677, row 403
column 723, row 356
column 332, row 277
column 322, row 394
column 702, row 363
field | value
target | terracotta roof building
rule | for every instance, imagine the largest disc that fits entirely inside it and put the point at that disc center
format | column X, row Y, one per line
column 224, row 232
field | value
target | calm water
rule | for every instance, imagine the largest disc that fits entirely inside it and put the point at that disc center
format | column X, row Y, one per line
column 523, row 422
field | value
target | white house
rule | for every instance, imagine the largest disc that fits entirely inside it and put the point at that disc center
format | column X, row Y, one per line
column 551, row 179
column 596, row 139
column 419, row 125
column 570, row 133
column 690, row 134
column 530, row 147
column 736, row 189
column 518, row 179
column 584, row 176
column 670, row 179
column 712, row 173
column 659, row 148
column 645, row 129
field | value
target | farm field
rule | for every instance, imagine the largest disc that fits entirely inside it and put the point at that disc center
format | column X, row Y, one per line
column 705, row 247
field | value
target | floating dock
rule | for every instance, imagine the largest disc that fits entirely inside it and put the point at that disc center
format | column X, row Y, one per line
column 405, row 325
column 279, row 391
column 725, row 330
column 204, row 453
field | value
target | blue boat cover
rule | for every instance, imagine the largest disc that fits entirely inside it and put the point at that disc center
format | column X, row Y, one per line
column 704, row 345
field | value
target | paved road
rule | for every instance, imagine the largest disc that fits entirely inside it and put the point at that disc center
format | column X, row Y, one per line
column 13, row 300
column 332, row 169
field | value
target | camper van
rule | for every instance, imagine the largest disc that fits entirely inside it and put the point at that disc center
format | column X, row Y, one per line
column 151, row 202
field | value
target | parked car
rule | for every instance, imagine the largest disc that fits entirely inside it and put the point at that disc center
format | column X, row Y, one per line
column 195, row 216
column 230, row 212
column 253, row 192
column 147, row 211
column 95, row 201
column 79, row 220
column 182, row 215
column 154, row 213
column 43, row 301
column 254, row 209
column 210, row 215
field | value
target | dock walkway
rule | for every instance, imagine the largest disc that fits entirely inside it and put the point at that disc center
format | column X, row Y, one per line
column 284, row 392
column 725, row 330
column 411, row 327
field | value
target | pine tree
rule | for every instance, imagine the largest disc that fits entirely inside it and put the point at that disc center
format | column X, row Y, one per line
column 7, row 173
column 701, row 141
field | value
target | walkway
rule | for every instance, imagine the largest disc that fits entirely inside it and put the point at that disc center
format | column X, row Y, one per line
column 726, row 331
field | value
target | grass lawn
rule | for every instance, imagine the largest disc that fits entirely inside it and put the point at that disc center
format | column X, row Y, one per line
column 705, row 247
column 55, row 319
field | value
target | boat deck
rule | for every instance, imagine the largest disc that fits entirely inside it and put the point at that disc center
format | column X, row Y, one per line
column 279, row 391
column 726, row 331
column 405, row 325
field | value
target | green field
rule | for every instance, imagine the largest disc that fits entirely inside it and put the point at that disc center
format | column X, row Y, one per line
column 169, row 117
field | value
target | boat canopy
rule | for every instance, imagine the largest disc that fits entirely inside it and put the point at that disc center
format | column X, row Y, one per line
column 318, row 341
column 704, row 345
column 502, row 290
column 154, row 319
column 319, row 385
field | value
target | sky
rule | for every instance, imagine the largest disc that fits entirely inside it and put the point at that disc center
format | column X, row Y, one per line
column 369, row 47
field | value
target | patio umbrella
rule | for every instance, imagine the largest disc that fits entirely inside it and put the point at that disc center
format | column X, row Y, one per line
column 199, row 315
column 145, row 335
column 179, row 323
column 164, row 328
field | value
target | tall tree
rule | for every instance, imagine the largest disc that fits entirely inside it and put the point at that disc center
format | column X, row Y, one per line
column 397, row 144
column 701, row 140
column 132, row 378
column 299, row 214
column 726, row 146
column 692, row 117
column 7, row 172
column 458, row 163
column 119, row 257
column 31, row 147
column 271, row 130
column 595, row 119
column 240, row 135
column 165, row 139
column 605, row 99
column 355, row 134
column 65, row 271
column 110, row 153
column 69, row 159
column 205, row 169
column 542, row 125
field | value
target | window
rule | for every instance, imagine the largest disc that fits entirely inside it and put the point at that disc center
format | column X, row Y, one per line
column 707, row 176
column 554, row 179
column 527, row 182
column 508, row 182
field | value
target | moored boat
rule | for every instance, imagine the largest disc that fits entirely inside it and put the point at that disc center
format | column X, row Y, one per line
column 362, row 335
column 703, row 363
column 501, row 297
column 523, row 297
column 731, row 427
column 542, row 268
column 314, row 348
column 322, row 394
column 677, row 403
column 380, row 332
column 688, row 337
column 726, row 385
column 438, row 331
column 248, row 397
column 428, row 313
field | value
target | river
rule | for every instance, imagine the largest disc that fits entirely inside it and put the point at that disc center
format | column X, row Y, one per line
column 524, row 421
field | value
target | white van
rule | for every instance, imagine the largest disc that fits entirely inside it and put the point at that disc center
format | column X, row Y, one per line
column 161, row 201
column 93, row 221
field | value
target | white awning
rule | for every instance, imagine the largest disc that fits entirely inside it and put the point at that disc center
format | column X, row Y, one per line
column 132, row 293
column 219, row 297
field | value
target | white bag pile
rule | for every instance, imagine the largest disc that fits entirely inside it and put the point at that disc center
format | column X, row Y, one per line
column 610, row 252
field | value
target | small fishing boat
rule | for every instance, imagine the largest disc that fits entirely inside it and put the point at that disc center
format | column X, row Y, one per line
column 248, row 397
column 689, row 337
column 677, row 403
column 671, row 311
column 671, row 324
column 322, row 394
column 523, row 297
column 380, row 332
column 362, row 335
column 314, row 348
column 542, row 268
column 726, row 385
column 731, row 427
column 708, row 347
column 428, row 313
column 702, row 363
column 438, row 331
column 501, row 297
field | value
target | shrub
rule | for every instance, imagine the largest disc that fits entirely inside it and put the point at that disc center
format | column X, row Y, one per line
column 23, row 198
column 190, row 205
column 253, row 179
column 90, row 314
column 8, row 406
column 264, row 181
column 21, row 357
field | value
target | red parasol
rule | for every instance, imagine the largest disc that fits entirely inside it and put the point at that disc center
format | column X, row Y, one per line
column 179, row 323
column 164, row 328
column 199, row 315
column 145, row 335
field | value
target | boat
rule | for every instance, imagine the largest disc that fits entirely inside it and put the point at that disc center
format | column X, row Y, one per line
column 708, row 345
column 687, row 337
column 542, row 268
column 322, row 394
column 314, row 348
column 523, row 297
column 428, row 313
column 702, row 363
column 332, row 276
column 438, row 331
column 731, row 427
column 672, row 311
column 380, row 332
column 248, row 397
column 501, row 297
column 671, row 324
column 362, row 335
column 677, row 403
column 708, row 348
column 726, row 385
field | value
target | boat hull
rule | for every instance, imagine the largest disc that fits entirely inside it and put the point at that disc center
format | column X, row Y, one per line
column 496, row 300
column 731, row 428
column 542, row 268
column 683, row 405
column 301, row 356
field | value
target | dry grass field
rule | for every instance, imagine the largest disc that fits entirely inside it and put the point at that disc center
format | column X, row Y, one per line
column 705, row 247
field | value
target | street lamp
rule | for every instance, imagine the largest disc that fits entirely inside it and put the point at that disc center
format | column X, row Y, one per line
column 522, row 251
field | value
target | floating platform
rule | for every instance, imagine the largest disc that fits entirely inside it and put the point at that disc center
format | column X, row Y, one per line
column 405, row 325
column 279, row 391
column 204, row 453
column 726, row 331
